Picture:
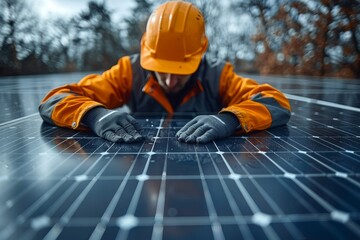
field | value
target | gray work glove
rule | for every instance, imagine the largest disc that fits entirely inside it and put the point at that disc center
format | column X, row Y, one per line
column 113, row 125
column 205, row 128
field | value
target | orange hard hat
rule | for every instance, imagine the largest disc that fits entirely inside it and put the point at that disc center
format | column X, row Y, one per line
column 175, row 39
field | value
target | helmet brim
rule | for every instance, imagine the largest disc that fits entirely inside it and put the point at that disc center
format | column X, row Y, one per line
column 151, row 63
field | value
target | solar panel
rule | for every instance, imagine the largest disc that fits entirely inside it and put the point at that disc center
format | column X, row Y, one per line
column 299, row 181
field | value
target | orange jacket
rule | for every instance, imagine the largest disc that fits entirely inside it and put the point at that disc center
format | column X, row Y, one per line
column 216, row 89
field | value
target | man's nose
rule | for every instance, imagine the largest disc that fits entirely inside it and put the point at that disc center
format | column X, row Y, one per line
column 171, row 81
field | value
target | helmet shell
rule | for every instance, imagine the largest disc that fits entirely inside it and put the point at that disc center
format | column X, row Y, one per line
column 175, row 39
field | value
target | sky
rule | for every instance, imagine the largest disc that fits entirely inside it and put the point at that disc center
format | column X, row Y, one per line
column 69, row 8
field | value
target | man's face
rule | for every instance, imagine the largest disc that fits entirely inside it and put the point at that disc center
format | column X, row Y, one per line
column 172, row 83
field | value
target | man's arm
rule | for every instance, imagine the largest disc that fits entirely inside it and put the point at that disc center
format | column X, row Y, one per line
column 257, row 106
column 66, row 106
column 248, row 106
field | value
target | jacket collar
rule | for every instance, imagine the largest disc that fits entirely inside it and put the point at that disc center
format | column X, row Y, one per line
column 153, row 89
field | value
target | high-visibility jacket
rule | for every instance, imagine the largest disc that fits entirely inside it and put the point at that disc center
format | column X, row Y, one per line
column 216, row 89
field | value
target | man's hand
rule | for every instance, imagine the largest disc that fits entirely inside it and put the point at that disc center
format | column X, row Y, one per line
column 205, row 128
column 113, row 125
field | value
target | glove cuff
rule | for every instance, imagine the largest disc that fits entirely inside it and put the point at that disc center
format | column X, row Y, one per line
column 231, row 121
column 93, row 115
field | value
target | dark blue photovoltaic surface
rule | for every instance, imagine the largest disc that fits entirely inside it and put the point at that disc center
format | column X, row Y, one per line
column 299, row 181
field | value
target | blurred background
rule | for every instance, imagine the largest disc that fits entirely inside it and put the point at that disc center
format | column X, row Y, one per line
column 269, row 37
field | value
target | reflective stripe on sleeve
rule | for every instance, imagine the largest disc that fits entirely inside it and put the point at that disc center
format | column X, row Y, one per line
column 46, row 109
column 279, row 115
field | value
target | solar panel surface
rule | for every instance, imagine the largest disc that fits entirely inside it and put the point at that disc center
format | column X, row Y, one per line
column 299, row 181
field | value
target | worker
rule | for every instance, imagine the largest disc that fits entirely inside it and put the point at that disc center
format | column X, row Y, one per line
column 171, row 74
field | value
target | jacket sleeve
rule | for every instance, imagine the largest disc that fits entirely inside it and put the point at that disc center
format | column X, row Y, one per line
column 66, row 105
column 257, row 106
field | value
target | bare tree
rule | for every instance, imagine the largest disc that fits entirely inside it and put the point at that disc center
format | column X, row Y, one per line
column 97, row 38
column 327, row 37
column 135, row 25
column 16, row 39
column 305, row 37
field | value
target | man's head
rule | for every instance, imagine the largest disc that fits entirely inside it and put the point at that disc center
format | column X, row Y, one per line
column 175, row 39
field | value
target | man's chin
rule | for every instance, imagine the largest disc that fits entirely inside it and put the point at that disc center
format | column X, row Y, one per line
column 174, row 91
